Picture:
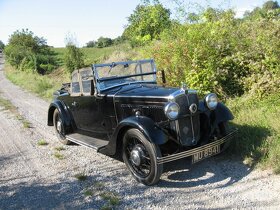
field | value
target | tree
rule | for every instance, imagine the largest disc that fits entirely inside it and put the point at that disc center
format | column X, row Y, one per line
column 270, row 5
column 146, row 23
column 25, row 51
column 73, row 57
column 104, row 42
column 269, row 10
column 91, row 44
column 2, row 45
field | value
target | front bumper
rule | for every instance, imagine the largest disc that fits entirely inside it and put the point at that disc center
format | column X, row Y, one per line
column 195, row 151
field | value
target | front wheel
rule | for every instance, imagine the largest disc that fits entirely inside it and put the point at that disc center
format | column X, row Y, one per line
column 59, row 128
column 140, row 157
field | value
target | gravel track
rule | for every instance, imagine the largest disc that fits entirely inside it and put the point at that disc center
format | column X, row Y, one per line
column 31, row 177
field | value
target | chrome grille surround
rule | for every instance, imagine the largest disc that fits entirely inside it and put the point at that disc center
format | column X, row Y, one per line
column 187, row 125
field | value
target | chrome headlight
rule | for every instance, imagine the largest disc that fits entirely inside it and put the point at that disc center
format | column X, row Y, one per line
column 211, row 101
column 171, row 110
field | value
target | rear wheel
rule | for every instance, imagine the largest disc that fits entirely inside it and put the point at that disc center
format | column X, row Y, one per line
column 59, row 128
column 140, row 156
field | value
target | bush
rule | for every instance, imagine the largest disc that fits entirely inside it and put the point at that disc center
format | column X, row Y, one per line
column 73, row 58
column 146, row 23
column 225, row 55
column 30, row 53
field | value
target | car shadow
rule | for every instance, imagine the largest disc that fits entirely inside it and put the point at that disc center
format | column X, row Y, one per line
column 225, row 169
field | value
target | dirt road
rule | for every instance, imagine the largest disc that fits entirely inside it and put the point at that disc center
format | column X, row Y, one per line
column 33, row 177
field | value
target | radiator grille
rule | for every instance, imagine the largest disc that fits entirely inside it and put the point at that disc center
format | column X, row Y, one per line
column 188, row 127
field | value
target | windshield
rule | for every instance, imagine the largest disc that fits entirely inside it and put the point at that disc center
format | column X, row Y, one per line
column 121, row 73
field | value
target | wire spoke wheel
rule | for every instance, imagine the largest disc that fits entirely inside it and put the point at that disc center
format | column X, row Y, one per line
column 140, row 157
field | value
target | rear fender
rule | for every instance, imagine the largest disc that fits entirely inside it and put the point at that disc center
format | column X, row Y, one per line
column 147, row 126
column 64, row 113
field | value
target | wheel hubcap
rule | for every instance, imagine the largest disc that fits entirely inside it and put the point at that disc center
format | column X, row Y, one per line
column 136, row 155
column 58, row 126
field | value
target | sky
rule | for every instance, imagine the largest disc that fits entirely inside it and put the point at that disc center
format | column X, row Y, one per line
column 85, row 20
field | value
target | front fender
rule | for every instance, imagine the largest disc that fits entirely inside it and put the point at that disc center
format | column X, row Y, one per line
column 147, row 126
column 65, row 116
column 222, row 114
column 210, row 119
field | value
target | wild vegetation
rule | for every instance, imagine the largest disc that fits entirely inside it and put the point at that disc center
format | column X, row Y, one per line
column 27, row 52
column 212, row 50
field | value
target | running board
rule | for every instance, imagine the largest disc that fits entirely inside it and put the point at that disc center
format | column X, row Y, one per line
column 96, row 144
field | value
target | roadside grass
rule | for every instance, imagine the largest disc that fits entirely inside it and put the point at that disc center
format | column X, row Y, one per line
column 60, row 148
column 112, row 199
column 58, row 155
column 42, row 142
column 88, row 192
column 81, row 176
column 42, row 85
column 26, row 124
column 7, row 105
column 258, row 140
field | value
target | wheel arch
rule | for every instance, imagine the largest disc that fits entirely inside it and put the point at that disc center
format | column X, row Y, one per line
column 144, row 124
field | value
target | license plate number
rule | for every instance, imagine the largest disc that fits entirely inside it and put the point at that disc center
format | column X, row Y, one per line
column 205, row 153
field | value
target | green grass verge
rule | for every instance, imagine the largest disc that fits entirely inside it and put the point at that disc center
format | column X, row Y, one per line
column 258, row 140
column 42, row 85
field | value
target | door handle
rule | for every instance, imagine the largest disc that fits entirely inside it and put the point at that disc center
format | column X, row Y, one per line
column 74, row 103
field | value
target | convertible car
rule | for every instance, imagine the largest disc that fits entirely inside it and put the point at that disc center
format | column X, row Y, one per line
column 118, row 109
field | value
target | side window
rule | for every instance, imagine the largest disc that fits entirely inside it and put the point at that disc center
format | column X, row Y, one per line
column 75, row 85
column 87, row 81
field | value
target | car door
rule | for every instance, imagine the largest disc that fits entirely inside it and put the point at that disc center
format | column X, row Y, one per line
column 85, row 106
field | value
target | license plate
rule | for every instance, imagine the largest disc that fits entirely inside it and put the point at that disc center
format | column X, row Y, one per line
column 205, row 153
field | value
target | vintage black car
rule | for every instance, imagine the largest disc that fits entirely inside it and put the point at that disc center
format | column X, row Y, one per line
column 118, row 109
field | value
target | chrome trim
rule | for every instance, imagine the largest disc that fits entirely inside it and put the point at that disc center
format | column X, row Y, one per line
column 191, row 152
column 193, row 140
column 125, row 96
column 175, row 94
column 184, row 86
column 190, row 91
column 166, row 109
column 207, row 98
column 193, row 108
column 178, row 129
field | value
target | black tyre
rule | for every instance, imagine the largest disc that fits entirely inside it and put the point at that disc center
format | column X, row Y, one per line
column 140, row 157
column 59, row 128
